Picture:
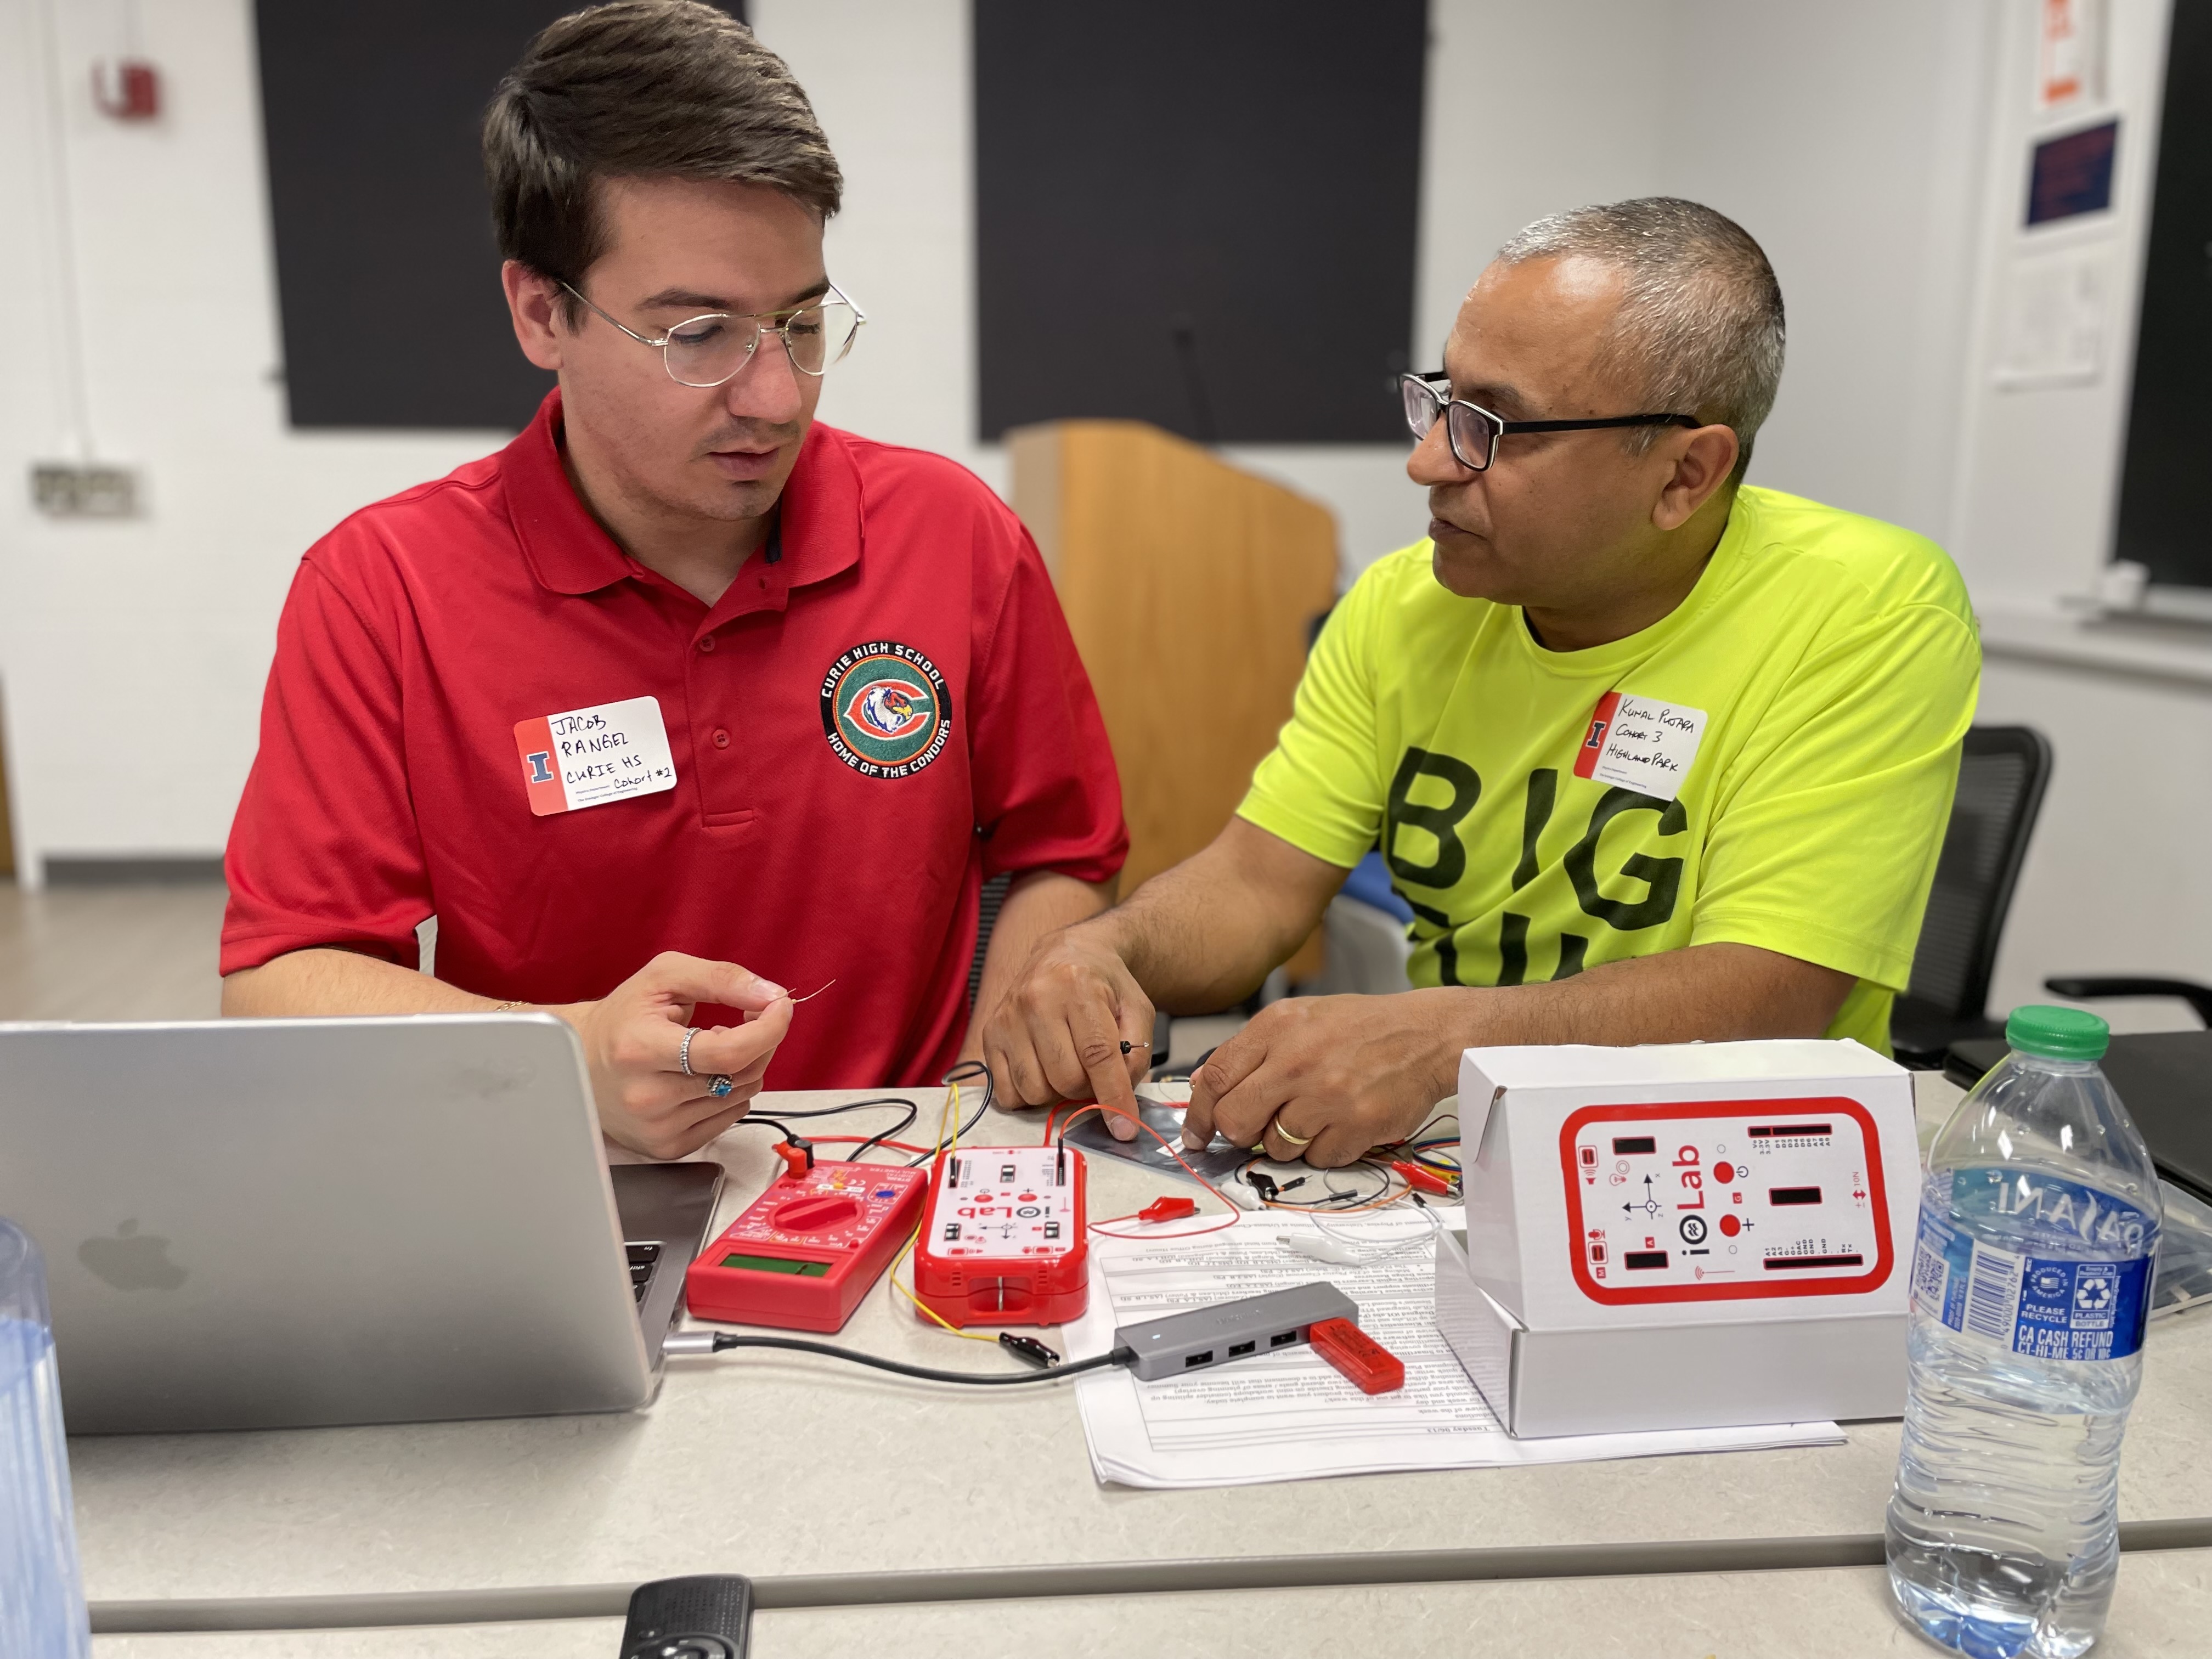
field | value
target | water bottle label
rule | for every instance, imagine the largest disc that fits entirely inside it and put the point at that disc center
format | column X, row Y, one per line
column 2049, row 1307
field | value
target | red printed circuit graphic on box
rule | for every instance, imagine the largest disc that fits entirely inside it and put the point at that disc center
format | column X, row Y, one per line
column 1004, row 1242
column 1718, row 1200
column 805, row 1251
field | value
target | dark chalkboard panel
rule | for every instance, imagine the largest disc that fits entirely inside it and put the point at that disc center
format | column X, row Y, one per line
column 2162, row 519
column 1201, row 215
column 387, row 276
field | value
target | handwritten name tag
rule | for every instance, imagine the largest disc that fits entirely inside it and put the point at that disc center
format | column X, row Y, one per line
column 589, row 756
column 1641, row 743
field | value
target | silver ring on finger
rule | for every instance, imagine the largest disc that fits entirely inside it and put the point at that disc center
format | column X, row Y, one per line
column 683, row 1054
column 720, row 1085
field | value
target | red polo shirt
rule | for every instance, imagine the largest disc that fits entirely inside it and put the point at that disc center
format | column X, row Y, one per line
column 884, row 709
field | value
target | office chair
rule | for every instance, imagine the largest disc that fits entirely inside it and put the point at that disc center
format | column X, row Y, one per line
column 988, row 903
column 2088, row 987
column 2001, row 774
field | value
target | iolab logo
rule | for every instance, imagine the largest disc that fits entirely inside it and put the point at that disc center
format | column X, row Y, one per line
column 886, row 709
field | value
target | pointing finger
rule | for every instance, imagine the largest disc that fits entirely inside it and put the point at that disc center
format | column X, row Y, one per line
column 1098, row 1046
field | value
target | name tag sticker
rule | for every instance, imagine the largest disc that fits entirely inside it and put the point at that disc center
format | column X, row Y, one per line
column 1641, row 743
column 589, row 756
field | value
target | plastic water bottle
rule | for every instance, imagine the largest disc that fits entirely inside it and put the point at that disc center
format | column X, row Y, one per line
column 41, row 1599
column 2031, row 1285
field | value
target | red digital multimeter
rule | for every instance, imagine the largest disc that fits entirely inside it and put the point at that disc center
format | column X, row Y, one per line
column 1005, row 1243
column 807, row 1250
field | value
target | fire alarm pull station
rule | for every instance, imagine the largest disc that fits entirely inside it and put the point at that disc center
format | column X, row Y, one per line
column 807, row 1250
column 1005, row 1242
column 1697, row 1235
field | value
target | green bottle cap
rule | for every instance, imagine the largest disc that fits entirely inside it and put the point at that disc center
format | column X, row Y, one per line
column 2058, row 1033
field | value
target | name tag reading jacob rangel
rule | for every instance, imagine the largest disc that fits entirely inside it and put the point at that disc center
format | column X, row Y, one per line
column 589, row 756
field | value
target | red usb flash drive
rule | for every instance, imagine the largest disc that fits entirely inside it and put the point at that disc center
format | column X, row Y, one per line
column 1371, row 1367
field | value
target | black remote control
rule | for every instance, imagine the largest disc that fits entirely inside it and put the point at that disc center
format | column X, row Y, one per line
column 707, row 1617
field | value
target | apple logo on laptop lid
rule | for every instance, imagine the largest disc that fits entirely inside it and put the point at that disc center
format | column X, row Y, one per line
column 131, row 1260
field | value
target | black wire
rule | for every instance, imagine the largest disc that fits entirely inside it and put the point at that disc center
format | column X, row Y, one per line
column 900, row 1127
column 854, row 1156
column 1334, row 1197
column 852, row 1106
column 912, row 1111
column 783, row 1129
column 966, row 1071
column 724, row 1340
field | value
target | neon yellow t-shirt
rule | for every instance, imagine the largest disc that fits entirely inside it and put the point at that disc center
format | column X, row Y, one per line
column 1770, row 764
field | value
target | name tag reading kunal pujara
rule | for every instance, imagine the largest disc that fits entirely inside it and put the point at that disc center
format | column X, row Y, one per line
column 1641, row 743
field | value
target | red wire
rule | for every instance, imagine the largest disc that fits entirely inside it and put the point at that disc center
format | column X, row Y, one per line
column 1101, row 1226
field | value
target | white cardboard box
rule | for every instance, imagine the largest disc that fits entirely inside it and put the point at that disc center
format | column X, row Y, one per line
column 1690, row 1235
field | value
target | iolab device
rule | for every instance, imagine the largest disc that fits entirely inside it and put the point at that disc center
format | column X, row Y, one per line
column 1720, row 1200
column 1682, row 1236
column 805, row 1251
column 1004, row 1242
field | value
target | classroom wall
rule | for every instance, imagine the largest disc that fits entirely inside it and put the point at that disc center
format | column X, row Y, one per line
column 1859, row 144
column 2115, row 881
column 132, row 652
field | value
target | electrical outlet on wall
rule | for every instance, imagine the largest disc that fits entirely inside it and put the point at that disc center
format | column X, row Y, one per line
column 67, row 489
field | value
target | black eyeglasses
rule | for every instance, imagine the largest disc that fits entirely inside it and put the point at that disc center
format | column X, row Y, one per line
column 1472, row 431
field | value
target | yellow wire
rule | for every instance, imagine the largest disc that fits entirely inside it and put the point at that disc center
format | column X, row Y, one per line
column 952, row 1112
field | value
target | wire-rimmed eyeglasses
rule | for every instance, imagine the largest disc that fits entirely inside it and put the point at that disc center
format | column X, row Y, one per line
column 1472, row 431
column 708, row 350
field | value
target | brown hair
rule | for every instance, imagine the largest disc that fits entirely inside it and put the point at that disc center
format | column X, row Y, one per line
column 640, row 88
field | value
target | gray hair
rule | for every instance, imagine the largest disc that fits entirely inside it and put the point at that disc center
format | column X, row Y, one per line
column 1700, row 326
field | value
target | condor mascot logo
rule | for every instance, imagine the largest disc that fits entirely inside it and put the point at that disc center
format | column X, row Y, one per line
column 886, row 709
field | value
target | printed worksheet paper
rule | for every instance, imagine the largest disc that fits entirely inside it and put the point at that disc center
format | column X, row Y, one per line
column 1288, row 1416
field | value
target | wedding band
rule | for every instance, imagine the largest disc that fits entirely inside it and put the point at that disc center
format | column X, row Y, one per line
column 683, row 1054
column 720, row 1086
column 1290, row 1140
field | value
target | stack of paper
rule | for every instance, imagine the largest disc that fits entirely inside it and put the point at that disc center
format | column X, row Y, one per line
column 1288, row 1416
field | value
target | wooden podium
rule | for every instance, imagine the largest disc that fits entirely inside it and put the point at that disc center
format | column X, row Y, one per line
column 1191, row 588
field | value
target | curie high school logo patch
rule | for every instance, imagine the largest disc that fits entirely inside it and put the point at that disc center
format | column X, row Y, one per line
column 886, row 709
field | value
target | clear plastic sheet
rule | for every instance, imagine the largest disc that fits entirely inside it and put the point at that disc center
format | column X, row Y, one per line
column 2184, row 1255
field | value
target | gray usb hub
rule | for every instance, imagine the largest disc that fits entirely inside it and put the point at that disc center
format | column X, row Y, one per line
column 1231, row 1330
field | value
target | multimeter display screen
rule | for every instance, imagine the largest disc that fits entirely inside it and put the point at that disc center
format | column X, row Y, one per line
column 778, row 1264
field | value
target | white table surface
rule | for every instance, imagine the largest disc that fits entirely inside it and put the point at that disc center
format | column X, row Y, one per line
column 2163, row 1606
column 787, row 1467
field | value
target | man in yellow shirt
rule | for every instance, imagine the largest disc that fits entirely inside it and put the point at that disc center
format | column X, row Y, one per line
column 1653, row 755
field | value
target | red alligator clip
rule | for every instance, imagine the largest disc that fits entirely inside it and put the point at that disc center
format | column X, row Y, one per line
column 1168, row 1209
column 1426, row 1180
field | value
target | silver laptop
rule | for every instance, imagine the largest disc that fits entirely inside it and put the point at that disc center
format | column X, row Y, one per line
column 270, row 1224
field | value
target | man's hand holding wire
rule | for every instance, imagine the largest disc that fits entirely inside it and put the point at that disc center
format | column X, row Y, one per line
column 1328, row 1078
column 633, row 1043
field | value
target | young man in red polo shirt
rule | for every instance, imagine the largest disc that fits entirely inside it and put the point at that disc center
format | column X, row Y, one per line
column 680, row 680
